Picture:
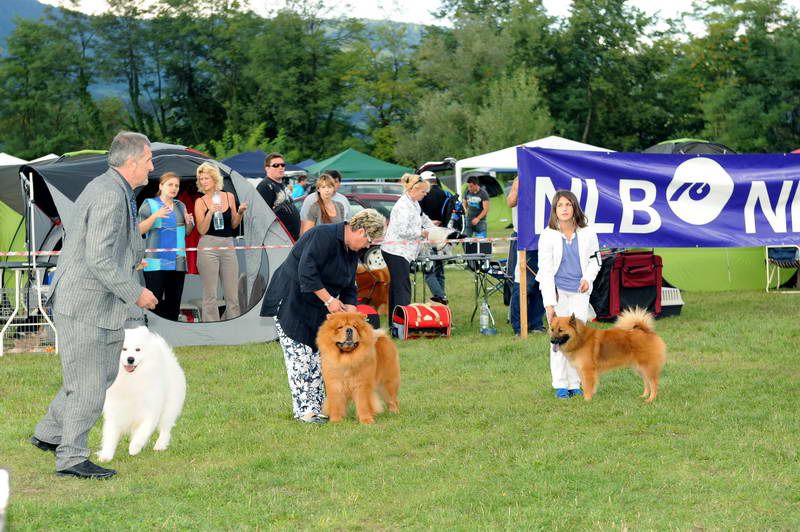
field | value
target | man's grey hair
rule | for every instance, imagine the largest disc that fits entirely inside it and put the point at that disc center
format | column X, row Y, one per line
column 125, row 145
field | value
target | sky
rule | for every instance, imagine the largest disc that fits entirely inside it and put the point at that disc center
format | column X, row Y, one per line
column 419, row 11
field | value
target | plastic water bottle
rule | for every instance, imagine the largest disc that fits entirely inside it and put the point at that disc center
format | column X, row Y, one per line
column 219, row 221
column 486, row 320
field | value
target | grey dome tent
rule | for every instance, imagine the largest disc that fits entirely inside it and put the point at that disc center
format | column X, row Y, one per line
column 50, row 189
column 688, row 146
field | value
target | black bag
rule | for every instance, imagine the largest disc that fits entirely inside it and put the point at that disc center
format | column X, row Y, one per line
column 601, row 289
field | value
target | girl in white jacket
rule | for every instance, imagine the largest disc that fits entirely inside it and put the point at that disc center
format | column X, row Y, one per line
column 568, row 265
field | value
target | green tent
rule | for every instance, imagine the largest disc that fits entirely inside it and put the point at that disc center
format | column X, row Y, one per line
column 356, row 166
column 716, row 269
column 12, row 228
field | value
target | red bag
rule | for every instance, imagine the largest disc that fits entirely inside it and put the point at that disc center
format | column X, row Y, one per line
column 636, row 281
column 419, row 320
column 371, row 315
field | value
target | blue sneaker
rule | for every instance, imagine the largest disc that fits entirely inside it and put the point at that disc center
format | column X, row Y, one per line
column 562, row 393
column 574, row 393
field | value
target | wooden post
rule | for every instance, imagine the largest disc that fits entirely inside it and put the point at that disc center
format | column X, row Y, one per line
column 522, row 264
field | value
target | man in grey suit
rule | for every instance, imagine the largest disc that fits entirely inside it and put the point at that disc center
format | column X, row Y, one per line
column 93, row 291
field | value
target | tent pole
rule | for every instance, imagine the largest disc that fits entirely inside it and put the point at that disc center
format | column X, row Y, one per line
column 32, row 260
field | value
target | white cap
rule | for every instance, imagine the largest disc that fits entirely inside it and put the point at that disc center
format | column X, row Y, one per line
column 427, row 175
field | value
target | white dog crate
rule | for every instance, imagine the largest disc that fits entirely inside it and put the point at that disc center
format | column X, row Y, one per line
column 25, row 323
column 671, row 302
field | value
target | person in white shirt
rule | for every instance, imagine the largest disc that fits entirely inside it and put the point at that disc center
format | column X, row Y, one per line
column 407, row 226
column 568, row 265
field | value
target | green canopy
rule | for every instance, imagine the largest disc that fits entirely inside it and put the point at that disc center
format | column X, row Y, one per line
column 12, row 238
column 355, row 165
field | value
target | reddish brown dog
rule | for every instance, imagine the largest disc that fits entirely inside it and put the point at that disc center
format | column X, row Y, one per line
column 631, row 342
column 358, row 363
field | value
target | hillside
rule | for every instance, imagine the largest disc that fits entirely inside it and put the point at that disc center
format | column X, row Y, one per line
column 17, row 8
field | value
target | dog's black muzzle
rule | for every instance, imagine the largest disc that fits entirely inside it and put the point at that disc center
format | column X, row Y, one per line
column 348, row 344
column 559, row 340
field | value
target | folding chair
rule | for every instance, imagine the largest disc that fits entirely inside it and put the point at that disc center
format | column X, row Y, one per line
column 778, row 258
column 489, row 274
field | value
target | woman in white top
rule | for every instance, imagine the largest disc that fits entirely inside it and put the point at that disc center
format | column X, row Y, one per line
column 324, row 210
column 407, row 226
column 568, row 265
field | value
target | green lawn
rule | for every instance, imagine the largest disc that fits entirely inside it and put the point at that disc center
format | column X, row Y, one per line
column 480, row 443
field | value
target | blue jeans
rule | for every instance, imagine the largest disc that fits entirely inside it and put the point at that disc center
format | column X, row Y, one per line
column 475, row 231
column 435, row 279
column 535, row 303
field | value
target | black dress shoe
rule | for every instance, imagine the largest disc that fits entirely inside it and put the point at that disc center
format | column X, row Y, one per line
column 43, row 445
column 86, row 469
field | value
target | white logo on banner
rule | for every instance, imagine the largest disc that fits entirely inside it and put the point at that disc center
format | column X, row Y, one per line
column 699, row 190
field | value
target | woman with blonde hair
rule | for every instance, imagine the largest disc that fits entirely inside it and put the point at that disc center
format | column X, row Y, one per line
column 407, row 226
column 166, row 222
column 324, row 210
column 216, row 264
column 316, row 279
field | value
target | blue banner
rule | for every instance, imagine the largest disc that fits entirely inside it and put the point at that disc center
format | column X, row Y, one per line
column 660, row 200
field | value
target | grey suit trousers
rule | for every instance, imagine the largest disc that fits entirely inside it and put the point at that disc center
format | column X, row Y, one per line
column 89, row 363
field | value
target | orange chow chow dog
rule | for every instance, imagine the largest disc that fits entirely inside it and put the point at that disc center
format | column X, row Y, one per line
column 631, row 342
column 358, row 363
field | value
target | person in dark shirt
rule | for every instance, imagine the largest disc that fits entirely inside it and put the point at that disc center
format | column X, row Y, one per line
column 318, row 277
column 433, row 205
column 277, row 196
column 476, row 208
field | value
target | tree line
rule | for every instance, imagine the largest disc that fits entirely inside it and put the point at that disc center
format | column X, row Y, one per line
column 208, row 74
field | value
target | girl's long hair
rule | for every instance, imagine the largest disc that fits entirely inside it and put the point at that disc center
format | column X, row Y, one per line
column 577, row 213
column 324, row 180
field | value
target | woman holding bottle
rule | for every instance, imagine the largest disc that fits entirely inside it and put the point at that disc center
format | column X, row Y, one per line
column 217, row 218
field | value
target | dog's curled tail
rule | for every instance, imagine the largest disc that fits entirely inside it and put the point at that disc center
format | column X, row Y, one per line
column 636, row 318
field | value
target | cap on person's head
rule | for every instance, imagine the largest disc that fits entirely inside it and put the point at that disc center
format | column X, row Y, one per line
column 427, row 175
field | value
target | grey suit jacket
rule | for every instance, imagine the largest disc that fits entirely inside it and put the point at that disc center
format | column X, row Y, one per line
column 96, row 279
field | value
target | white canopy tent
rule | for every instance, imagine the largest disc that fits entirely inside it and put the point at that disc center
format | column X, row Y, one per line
column 8, row 160
column 505, row 160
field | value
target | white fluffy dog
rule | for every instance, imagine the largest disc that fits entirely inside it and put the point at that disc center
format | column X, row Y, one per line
column 149, row 392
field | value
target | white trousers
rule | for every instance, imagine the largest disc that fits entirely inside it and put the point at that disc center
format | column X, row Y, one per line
column 564, row 375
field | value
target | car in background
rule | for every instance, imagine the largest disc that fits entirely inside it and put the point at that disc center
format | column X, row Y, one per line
column 370, row 187
column 382, row 203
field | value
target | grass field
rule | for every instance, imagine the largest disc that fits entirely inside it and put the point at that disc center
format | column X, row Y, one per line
column 480, row 443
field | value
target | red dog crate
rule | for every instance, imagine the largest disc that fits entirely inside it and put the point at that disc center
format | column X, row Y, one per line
column 626, row 280
column 419, row 320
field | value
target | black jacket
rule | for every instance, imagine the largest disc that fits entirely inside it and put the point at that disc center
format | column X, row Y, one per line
column 280, row 201
column 433, row 204
column 319, row 259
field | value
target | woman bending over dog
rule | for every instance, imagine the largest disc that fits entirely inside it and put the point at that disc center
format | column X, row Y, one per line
column 317, row 278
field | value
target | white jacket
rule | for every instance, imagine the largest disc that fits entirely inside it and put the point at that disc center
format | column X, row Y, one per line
column 550, row 251
column 405, row 224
